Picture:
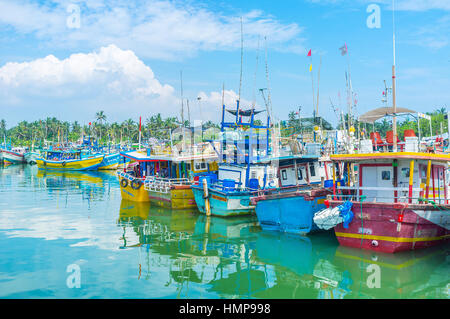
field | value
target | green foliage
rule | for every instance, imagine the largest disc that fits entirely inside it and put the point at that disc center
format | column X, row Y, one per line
column 51, row 129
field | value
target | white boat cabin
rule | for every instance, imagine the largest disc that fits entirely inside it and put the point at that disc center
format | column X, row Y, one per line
column 266, row 175
column 301, row 172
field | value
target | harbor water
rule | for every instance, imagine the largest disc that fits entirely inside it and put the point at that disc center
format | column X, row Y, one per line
column 70, row 235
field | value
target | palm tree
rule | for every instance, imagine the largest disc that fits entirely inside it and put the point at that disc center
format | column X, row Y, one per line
column 100, row 118
column 2, row 128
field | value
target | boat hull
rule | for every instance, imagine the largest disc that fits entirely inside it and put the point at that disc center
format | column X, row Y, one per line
column 135, row 195
column 70, row 165
column 290, row 212
column 394, row 227
column 224, row 204
column 31, row 157
column 178, row 197
column 110, row 162
column 12, row 158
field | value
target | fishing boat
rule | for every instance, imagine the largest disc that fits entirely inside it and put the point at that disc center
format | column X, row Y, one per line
column 242, row 173
column 68, row 160
column 31, row 157
column 301, row 193
column 164, row 179
column 110, row 162
column 400, row 202
column 14, row 156
column 392, row 206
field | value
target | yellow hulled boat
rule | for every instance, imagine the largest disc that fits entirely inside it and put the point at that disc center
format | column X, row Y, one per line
column 68, row 160
column 164, row 179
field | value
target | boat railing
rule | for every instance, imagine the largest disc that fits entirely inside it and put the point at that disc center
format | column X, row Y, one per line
column 164, row 185
column 238, row 187
column 398, row 195
column 128, row 176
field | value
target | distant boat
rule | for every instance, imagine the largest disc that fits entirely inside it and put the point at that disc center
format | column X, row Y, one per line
column 110, row 161
column 68, row 160
column 31, row 157
column 14, row 156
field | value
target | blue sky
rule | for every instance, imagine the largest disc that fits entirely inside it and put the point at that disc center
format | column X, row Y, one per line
column 125, row 57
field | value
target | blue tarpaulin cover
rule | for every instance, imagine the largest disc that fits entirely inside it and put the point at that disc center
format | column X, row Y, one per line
column 346, row 213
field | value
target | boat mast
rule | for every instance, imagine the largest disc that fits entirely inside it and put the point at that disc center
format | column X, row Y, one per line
column 240, row 79
column 182, row 111
column 394, row 119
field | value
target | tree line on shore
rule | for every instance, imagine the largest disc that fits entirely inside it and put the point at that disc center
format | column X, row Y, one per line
column 51, row 129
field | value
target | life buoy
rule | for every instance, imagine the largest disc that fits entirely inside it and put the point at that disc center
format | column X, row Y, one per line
column 134, row 182
column 124, row 182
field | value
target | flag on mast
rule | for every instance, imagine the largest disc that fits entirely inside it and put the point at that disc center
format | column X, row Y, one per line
column 310, row 68
column 139, row 123
column 309, row 53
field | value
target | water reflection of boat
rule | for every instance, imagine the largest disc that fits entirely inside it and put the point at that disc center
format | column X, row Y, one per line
column 61, row 177
column 231, row 244
column 196, row 249
column 295, row 259
column 222, row 228
column 410, row 274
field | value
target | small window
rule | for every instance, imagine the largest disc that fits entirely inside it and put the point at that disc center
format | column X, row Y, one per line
column 299, row 173
column 284, row 175
column 312, row 169
column 405, row 172
column 203, row 165
column 386, row 175
column 253, row 174
column 188, row 167
column 197, row 166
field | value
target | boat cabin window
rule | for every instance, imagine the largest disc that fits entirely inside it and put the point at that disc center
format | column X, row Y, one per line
column 188, row 166
column 284, row 175
column 385, row 175
column 405, row 172
column 312, row 169
column 299, row 173
column 423, row 173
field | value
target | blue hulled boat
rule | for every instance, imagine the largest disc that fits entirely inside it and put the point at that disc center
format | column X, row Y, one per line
column 304, row 185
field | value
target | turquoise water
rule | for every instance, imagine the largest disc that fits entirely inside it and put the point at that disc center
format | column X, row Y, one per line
column 69, row 235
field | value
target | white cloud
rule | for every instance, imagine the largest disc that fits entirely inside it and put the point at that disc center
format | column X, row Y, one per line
column 111, row 71
column 111, row 79
column 156, row 29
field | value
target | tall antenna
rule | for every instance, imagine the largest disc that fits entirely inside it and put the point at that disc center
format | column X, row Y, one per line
column 189, row 113
column 182, row 106
column 269, row 100
column 318, row 85
column 242, row 59
column 394, row 119
column 223, row 94
column 312, row 83
column 254, row 80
